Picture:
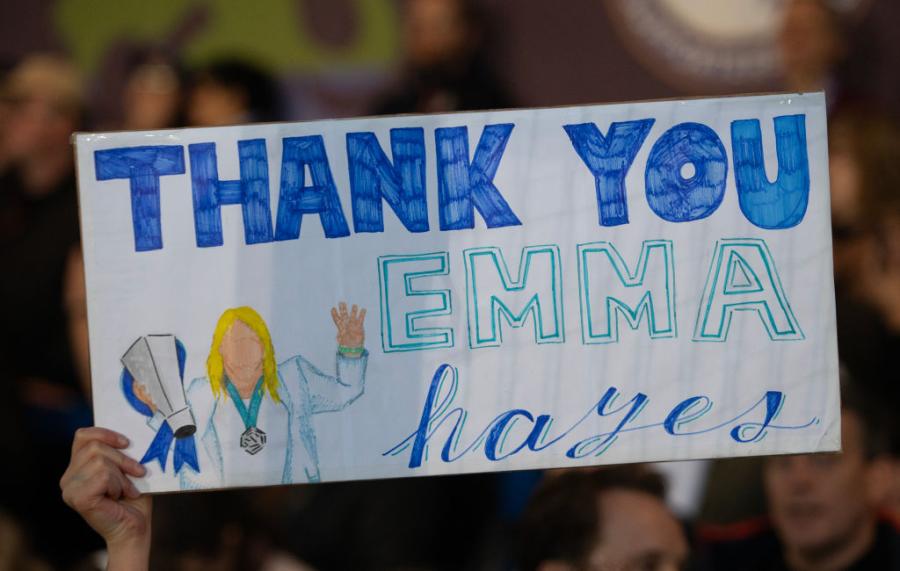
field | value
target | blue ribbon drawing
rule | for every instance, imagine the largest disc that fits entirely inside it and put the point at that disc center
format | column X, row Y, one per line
column 185, row 448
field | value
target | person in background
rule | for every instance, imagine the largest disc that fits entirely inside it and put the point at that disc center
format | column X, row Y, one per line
column 153, row 96
column 14, row 549
column 601, row 519
column 892, row 502
column 45, row 373
column 5, row 111
column 864, row 170
column 444, row 67
column 864, row 167
column 824, row 509
column 870, row 155
column 231, row 92
column 812, row 46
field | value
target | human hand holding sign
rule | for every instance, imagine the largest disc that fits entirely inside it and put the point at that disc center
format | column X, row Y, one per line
column 96, row 485
column 351, row 334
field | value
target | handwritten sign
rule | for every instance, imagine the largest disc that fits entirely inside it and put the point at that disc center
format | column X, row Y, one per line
column 440, row 294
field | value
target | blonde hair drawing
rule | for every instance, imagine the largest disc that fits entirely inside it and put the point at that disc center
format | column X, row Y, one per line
column 214, row 364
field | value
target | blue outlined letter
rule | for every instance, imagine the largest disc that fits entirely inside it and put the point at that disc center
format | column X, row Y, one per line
column 598, row 444
column 401, row 302
column 296, row 198
column 402, row 184
column 756, row 431
column 142, row 166
column 680, row 195
column 462, row 184
column 441, row 393
column 772, row 205
column 743, row 277
column 491, row 292
column 608, row 289
column 609, row 159
column 251, row 192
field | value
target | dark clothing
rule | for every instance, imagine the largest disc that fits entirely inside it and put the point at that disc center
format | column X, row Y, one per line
column 868, row 349
column 760, row 550
column 37, row 234
column 720, row 504
column 396, row 524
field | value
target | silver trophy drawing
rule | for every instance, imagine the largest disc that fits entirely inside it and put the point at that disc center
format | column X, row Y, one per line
column 153, row 362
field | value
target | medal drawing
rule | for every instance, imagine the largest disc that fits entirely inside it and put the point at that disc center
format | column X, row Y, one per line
column 252, row 439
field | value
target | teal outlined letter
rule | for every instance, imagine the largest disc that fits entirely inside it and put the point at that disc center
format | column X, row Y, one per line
column 608, row 289
column 743, row 277
column 402, row 307
column 492, row 292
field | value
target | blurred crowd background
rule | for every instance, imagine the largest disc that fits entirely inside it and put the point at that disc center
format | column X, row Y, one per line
column 70, row 65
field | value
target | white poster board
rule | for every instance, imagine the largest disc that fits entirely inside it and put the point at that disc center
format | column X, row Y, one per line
column 542, row 288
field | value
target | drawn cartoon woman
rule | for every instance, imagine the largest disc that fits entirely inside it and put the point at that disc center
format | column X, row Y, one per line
column 254, row 418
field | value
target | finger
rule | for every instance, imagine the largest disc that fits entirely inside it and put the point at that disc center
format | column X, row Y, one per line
column 343, row 307
column 98, row 470
column 97, row 449
column 335, row 317
column 83, row 436
column 353, row 311
column 117, row 484
column 362, row 316
column 99, row 479
column 86, row 449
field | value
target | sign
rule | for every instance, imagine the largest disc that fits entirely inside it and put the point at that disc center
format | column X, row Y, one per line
column 420, row 295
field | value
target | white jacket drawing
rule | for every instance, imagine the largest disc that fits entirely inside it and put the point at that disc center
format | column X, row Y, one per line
column 290, row 454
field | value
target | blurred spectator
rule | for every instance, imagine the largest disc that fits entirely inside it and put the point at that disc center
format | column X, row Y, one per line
column 44, row 106
column 217, row 531
column 892, row 503
column 598, row 519
column 864, row 155
column 686, row 482
column 823, row 508
column 445, row 67
column 720, row 503
column 5, row 110
column 879, row 262
column 14, row 554
column 38, row 238
column 392, row 525
column 232, row 92
column 864, row 167
column 154, row 93
column 812, row 46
